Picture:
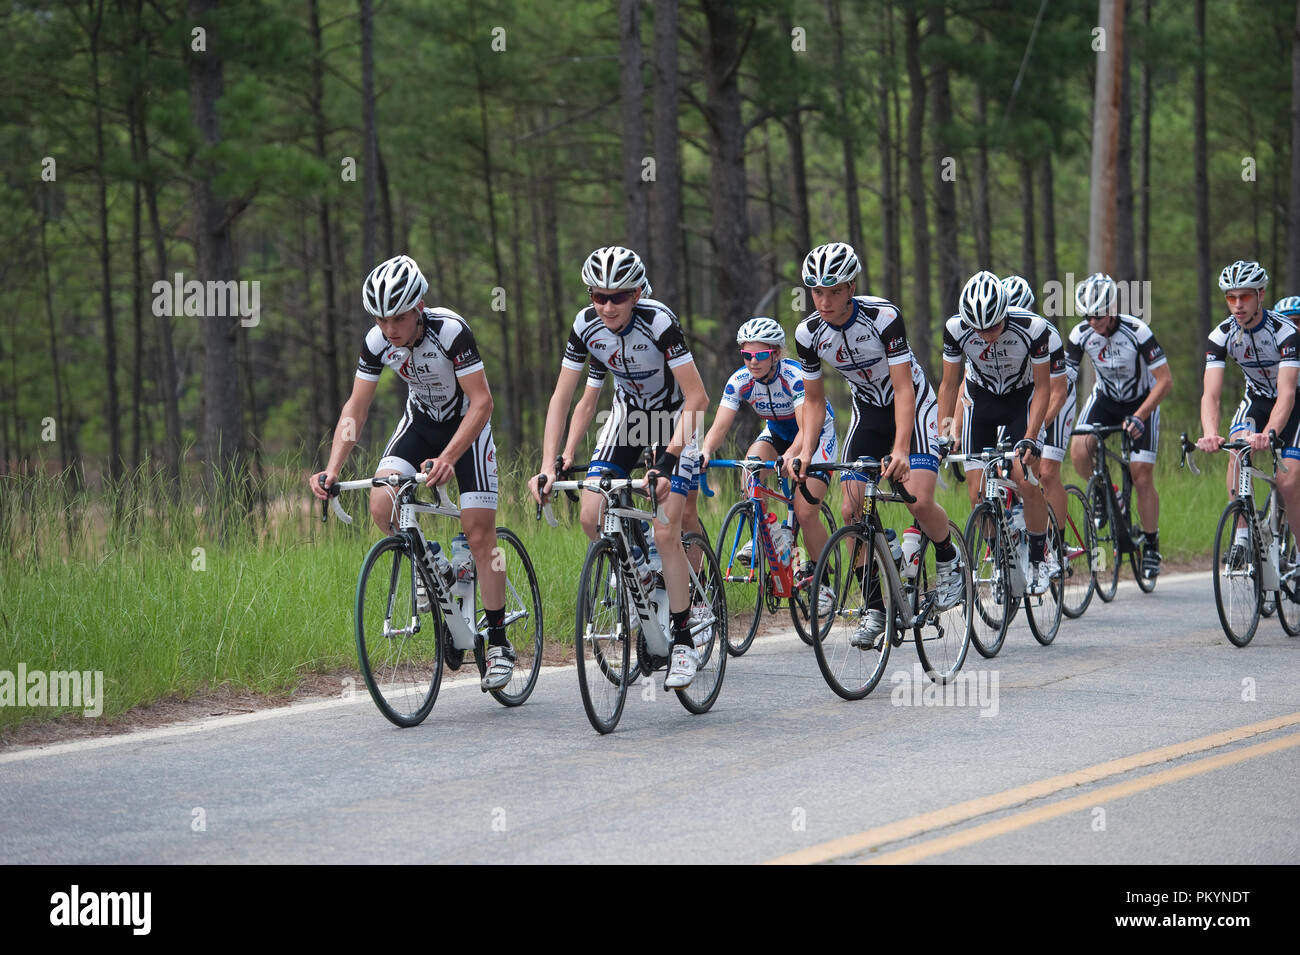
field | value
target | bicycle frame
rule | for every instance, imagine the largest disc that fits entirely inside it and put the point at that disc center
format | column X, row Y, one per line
column 1129, row 542
column 1000, row 491
column 781, row 576
column 1269, row 531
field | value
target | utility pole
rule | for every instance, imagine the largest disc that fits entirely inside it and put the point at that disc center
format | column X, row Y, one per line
column 1108, row 42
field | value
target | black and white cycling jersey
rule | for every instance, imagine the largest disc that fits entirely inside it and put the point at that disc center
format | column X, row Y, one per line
column 1261, row 351
column 640, row 357
column 1005, row 364
column 1123, row 360
column 431, row 368
column 862, row 349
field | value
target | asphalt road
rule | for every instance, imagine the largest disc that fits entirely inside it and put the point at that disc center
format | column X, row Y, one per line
column 1140, row 736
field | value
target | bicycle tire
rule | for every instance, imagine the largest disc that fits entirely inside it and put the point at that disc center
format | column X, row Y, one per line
column 1079, row 538
column 709, row 595
column 1045, row 621
column 853, row 672
column 745, row 585
column 602, row 639
column 1269, row 602
column 1237, row 592
column 990, row 578
column 1106, row 560
column 943, row 638
column 1288, row 593
column 800, row 611
column 1145, row 584
column 402, row 666
column 523, row 619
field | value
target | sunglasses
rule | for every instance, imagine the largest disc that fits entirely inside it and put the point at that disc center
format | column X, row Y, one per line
column 825, row 281
column 618, row 298
column 755, row 355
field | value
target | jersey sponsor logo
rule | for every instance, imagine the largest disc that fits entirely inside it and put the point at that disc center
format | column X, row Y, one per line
column 730, row 389
column 491, row 455
column 598, row 346
column 463, row 357
column 896, row 342
column 640, row 346
column 1101, row 353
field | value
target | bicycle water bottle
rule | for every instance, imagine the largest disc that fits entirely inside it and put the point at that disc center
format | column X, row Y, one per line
column 911, row 552
column 462, row 566
column 643, row 570
column 439, row 561
column 652, row 552
column 780, row 535
column 895, row 550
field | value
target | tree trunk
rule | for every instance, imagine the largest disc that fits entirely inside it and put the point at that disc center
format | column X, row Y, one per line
column 1105, row 139
column 1144, row 186
column 1202, row 185
column 329, row 330
column 983, row 220
column 1293, row 213
column 848, row 148
column 664, row 260
column 891, row 168
column 1050, row 267
column 370, row 140
column 1125, row 246
column 631, row 86
column 1028, row 252
column 945, row 187
column 919, row 327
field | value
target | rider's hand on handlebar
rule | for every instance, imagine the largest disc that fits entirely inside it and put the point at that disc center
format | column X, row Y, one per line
column 1030, row 445
column 532, row 486
column 437, row 471
column 319, row 489
column 1134, row 426
column 1259, row 441
column 898, row 468
column 1209, row 443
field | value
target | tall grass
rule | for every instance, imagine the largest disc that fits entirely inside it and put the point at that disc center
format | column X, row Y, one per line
column 139, row 581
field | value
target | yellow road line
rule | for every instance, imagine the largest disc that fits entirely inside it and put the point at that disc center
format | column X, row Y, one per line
column 1029, row 817
column 961, row 812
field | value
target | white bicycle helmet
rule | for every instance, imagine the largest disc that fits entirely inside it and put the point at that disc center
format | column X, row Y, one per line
column 394, row 287
column 761, row 329
column 1243, row 274
column 614, row 267
column 830, row 264
column 1096, row 295
column 983, row 301
column 1288, row 306
column 1019, row 294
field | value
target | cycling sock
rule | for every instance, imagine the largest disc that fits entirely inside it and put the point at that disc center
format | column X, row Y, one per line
column 1036, row 547
column 944, row 551
column 681, row 626
column 1153, row 541
column 496, row 620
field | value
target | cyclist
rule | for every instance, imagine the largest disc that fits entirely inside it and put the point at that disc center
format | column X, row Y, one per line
column 657, row 388
column 1264, row 345
column 1055, row 436
column 1288, row 308
column 1005, row 354
column 447, row 424
column 773, row 386
column 864, row 339
column 1133, row 377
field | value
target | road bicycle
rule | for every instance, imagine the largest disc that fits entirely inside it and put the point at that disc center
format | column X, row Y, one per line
column 1264, row 562
column 860, row 564
column 999, row 552
column 410, row 616
column 1112, row 513
column 749, row 558
column 617, row 609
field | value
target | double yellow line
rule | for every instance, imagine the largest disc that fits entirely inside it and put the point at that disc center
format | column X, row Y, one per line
column 962, row 812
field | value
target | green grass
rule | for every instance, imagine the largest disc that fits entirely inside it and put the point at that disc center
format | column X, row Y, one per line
column 271, row 599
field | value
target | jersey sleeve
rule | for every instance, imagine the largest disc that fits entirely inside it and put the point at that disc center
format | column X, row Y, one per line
column 1288, row 346
column 672, row 343
column 371, row 362
column 1040, row 341
column 465, row 357
column 808, row 358
column 1216, row 348
column 1153, row 354
column 893, row 333
column 793, row 381
column 731, row 391
column 1057, row 349
column 951, row 347
column 1074, row 347
column 575, row 349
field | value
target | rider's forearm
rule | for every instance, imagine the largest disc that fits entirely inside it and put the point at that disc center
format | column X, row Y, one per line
column 1209, row 415
column 346, row 433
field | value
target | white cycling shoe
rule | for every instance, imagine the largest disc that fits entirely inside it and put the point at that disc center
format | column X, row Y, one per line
column 947, row 583
column 500, row 667
column 681, row 671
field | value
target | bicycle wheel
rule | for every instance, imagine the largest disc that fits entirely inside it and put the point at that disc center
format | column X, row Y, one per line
column 800, row 612
column 1268, row 603
column 399, row 649
column 1044, row 610
column 523, row 619
column 1079, row 536
column 990, row 578
column 1288, row 595
column 853, row 664
column 708, row 599
column 745, row 584
column 603, row 638
column 1106, row 557
column 1237, row 593
column 1145, row 584
column 942, row 636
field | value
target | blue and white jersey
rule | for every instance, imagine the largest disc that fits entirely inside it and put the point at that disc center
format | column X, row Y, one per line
column 774, row 400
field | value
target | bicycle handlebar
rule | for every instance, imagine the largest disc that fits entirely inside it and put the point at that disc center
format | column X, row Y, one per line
column 862, row 465
column 332, row 503
column 748, row 464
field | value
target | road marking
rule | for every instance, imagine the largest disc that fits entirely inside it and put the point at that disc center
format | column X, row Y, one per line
column 961, row 812
column 1086, row 801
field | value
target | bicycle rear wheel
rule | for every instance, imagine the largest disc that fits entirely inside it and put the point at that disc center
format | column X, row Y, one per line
column 943, row 637
column 1105, row 567
column 1288, row 594
column 1145, row 584
column 745, row 580
column 399, row 649
column 1079, row 536
column 603, row 638
column 991, row 579
column 1237, row 593
column 800, row 609
column 1044, row 610
column 708, row 599
column 851, row 659
column 523, row 619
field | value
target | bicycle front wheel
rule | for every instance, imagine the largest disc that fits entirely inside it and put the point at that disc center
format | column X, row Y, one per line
column 1288, row 594
column 523, row 618
column 1237, row 593
column 709, row 615
column 1044, row 610
column 942, row 636
column 399, row 648
column 852, row 657
column 1079, row 537
column 800, row 609
column 602, row 639
column 1105, row 566
column 745, row 579
column 991, row 579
